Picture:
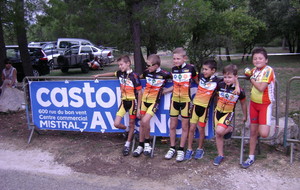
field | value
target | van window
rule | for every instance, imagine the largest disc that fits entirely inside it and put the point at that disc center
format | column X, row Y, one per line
column 86, row 50
column 12, row 53
column 67, row 44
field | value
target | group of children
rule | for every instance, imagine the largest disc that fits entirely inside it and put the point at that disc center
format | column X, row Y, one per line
column 193, row 113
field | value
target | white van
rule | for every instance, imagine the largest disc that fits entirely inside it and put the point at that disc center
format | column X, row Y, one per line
column 64, row 43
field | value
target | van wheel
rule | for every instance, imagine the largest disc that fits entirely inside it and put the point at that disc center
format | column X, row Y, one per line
column 51, row 64
column 64, row 69
column 85, row 67
column 36, row 73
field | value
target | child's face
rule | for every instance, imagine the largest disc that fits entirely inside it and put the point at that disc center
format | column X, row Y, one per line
column 230, row 78
column 151, row 67
column 207, row 71
column 259, row 60
column 123, row 66
column 178, row 59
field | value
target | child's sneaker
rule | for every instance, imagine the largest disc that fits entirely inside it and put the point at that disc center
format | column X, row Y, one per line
column 138, row 151
column 199, row 154
column 188, row 155
column 218, row 160
column 247, row 163
column 147, row 149
column 170, row 154
column 126, row 150
column 180, row 156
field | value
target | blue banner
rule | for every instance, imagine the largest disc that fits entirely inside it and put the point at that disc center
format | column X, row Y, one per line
column 91, row 106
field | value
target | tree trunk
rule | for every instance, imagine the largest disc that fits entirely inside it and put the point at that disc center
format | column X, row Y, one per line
column 227, row 54
column 298, row 45
column 19, row 24
column 2, row 44
column 139, row 61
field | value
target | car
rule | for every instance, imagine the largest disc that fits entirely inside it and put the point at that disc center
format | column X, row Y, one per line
column 38, row 60
column 74, row 57
column 64, row 43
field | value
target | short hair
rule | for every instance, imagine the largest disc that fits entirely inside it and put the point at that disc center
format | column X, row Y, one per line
column 260, row 50
column 230, row 69
column 7, row 61
column 180, row 51
column 211, row 63
column 124, row 58
column 155, row 59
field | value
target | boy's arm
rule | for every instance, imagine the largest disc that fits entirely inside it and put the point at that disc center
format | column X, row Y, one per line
column 237, row 89
column 110, row 74
column 139, row 103
column 167, row 90
column 244, row 109
column 261, row 86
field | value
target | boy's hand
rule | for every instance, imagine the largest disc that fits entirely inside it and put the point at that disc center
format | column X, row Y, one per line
column 244, row 119
column 95, row 76
column 138, row 113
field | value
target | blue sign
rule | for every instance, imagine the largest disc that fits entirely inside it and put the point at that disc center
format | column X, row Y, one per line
column 91, row 106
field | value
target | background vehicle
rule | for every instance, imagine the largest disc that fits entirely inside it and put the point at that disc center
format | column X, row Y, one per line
column 75, row 57
column 64, row 43
column 38, row 60
column 49, row 49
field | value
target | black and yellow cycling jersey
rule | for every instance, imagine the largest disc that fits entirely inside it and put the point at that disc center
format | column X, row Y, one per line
column 130, row 83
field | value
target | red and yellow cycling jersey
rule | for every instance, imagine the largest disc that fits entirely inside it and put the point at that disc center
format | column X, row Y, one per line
column 129, row 83
column 155, row 82
column 182, row 77
column 226, row 99
column 265, row 74
column 206, row 89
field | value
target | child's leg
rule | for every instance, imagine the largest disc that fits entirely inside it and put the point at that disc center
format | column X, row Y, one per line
column 142, row 130
column 191, row 135
column 118, row 124
column 253, row 138
column 201, row 137
column 145, row 122
column 173, row 126
column 220, row 132
column 185, row 130
column 131, row 130
column 264, row 130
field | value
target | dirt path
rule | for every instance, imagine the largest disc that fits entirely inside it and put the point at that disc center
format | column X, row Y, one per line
column 96, row 157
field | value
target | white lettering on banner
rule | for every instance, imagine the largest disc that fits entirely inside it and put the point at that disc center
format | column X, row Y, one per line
column 60, row 97
column 108, row 91
column 88, row 97
column 64, row 95
column 167, row 98
column 73, row 95
column 161, row 125
column 59, row 124
column 98, row 120
column 39, row 97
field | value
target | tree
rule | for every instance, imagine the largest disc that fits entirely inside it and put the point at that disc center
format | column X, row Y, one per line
column 19, row 25
column 242, row 29
column 2, row 42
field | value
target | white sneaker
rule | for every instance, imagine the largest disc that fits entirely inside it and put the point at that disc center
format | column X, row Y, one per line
column 147, row 149
column 180, row 156
column 138, row 151
column 170, row 154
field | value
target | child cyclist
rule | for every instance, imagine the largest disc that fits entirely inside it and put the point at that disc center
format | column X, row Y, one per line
column 155, row 81
column 183, row 74
column 131, row 92
column 208, row 82
column 262, row 95
column 224, row 112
